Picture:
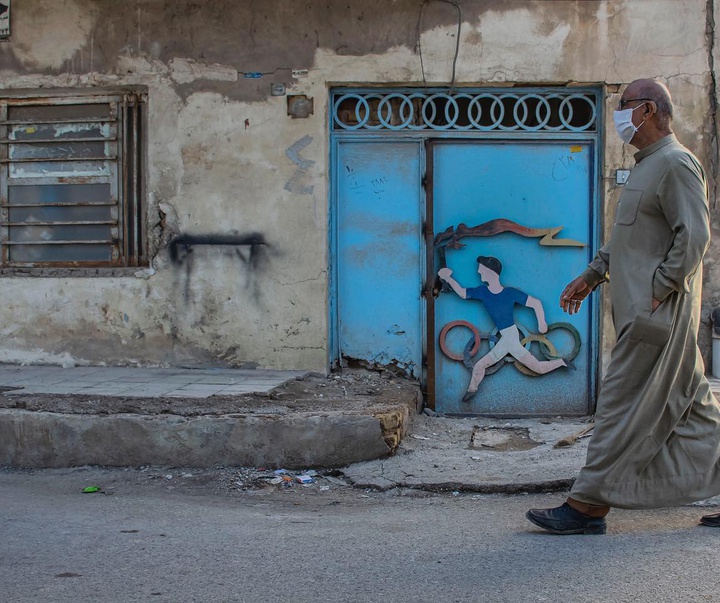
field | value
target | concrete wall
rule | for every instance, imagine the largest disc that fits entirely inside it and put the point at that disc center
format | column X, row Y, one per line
column 225, row 158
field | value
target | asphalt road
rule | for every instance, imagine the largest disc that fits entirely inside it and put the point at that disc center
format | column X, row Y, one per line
column 195, row 537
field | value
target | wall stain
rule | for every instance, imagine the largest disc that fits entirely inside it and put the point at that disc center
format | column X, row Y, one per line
column 270, row 37
column 293, row 153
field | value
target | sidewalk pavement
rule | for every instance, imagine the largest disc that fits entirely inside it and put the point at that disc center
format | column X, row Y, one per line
column 366, row 425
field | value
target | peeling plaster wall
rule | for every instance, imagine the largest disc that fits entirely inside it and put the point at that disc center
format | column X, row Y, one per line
column 225, row 159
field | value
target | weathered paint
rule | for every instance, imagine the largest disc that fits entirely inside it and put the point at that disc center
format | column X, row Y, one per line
column 222, row 158
column 379, row 254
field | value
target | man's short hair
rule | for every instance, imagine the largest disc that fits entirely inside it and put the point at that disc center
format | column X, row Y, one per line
column 658, row 92
column 490, row 262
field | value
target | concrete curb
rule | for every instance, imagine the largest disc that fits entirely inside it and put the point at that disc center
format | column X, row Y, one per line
column 538, row 487
column 56, row 440
column 479, row 455
column 323, row 439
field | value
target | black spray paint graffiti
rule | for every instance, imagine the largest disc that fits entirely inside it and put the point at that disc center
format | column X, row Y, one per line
column 249, row 248
column 182, row 245
column 293, row 152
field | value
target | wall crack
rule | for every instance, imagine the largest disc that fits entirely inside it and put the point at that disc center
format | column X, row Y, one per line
column 293, row 283
column 713, row 150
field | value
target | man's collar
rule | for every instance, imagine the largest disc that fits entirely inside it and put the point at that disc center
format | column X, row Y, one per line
column 649, row 150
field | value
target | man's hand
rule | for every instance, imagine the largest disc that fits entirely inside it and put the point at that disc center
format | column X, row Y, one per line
column 574, row 294
column 445, row 273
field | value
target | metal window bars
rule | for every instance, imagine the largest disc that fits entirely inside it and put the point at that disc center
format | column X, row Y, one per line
column 71, row 181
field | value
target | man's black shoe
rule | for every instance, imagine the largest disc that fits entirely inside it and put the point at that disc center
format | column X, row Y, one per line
column 711, row 520
column 566, row 520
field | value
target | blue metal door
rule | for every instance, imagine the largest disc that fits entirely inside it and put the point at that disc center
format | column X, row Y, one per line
column 379, row 245
column 529, row 205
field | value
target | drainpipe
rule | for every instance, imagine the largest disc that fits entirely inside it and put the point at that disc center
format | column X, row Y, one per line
column 715, row 320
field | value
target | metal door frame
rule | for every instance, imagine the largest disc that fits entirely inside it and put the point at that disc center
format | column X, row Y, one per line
column 431, row 135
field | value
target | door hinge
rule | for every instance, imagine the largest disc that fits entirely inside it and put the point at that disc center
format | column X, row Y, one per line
column 423, row 181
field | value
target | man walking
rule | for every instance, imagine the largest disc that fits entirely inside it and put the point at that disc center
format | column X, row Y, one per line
column 656, row 441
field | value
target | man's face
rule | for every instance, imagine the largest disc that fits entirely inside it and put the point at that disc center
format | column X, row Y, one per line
column 485, row 273
column 632, row 99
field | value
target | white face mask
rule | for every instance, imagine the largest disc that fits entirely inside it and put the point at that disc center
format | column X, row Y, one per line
column 624, row 125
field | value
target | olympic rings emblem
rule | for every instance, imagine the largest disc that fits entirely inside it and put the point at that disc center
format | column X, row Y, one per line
column 470, row 354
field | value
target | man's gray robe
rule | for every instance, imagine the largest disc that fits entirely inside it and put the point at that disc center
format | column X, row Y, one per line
column 657, row 427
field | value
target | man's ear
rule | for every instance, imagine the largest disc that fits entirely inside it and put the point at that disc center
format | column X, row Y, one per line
column 650, row 108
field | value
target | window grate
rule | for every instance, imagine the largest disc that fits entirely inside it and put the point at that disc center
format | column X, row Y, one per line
column 71, row 186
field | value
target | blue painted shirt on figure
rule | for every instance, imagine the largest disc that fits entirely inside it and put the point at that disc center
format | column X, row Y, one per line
column 500, row 306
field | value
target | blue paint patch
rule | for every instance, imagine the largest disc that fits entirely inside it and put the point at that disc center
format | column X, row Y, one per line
column 379, row 254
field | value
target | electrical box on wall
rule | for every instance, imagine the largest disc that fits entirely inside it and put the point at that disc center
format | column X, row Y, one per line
column 300, row 106
column 4, row 19
column 621, row 176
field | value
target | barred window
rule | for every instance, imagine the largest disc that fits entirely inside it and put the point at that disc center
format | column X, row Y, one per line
column 71, row 181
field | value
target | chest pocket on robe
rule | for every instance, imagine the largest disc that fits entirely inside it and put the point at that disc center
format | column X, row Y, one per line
column 628, row 206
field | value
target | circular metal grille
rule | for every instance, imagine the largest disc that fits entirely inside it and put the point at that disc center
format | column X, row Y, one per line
column 505, row 111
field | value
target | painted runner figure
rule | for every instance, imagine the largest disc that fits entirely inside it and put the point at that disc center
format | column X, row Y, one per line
column 656, row 441
column 500, row 303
